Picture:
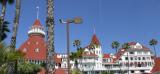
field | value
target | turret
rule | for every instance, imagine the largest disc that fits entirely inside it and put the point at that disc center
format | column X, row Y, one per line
column 36, row 29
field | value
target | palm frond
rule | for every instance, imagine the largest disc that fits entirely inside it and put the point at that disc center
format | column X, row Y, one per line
column 10, row 1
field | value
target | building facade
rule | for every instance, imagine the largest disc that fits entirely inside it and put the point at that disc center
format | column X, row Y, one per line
column 138, row 59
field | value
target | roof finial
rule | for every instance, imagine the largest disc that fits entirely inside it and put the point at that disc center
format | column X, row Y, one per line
column 37, row 11
column 94, row 29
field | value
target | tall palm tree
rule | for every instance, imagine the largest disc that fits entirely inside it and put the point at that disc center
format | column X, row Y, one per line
column 115, row 45
column 4, row 30
column 4, row 4
column 153, row 43
column 126, row 46
column 3, row 12
column 78, row 53
column 50, row 33
column 15, row 28
column 16, row 23
column 77, row 43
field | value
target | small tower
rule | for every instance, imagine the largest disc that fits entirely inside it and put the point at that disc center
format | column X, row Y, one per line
column 97, row 49
column 96, row 41
column 35, row 47
column 36, row 29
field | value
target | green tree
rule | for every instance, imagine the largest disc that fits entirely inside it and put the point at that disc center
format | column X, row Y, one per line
column 28, row 68
column 4, row 30
column 153, row 43
column 3, row 12
column 78, row 53
column 8, row 57
column 115, row 45
column 126, row 46
column 50, row 33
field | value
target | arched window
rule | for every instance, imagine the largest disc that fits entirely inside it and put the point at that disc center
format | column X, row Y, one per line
column 36, row 50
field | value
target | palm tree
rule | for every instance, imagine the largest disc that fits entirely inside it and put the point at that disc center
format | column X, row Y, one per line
column 28, row 68
column 3, row 12
column 50, row 33
column 8, row 56
column 4, row 3
column 16, row 23
column 15, row 28
column 115, row 45
column 78, row 53
column 126, row 46
column 4, row 30
column 153, row 43
column 77, row 43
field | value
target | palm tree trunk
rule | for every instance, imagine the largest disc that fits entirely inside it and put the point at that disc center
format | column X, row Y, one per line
column 155, row 51
column 16, row 23
column 15, row 28
column 3, row 12
column 50, row 35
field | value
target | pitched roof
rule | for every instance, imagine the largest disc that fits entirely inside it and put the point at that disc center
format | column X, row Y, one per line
column 57, row 60
column 35, row 48
column 156, row 67
column 106, row 55
column 60, row 71
column 95, row 40
column 37, row 23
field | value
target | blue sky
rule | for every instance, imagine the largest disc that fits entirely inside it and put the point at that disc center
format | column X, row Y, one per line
column 120, row 20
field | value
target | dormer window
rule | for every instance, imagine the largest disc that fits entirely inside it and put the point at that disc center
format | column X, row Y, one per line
column 36, row 50
column 138, row 46
column 24, row 50
column 36, row 43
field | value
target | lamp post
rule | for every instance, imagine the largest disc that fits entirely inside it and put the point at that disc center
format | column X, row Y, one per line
column 67, row 22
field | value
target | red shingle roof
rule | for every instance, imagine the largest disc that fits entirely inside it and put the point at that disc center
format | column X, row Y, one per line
column 106, row 55
column 60, row 71
column 156, row 67
column 34, row 43
column 95, row 40
column 37, row 23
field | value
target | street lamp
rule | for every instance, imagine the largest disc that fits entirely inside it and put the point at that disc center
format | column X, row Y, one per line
column 67, row 22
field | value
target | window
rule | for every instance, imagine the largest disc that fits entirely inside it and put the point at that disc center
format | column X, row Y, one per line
column 126, row 58
column 143, row 58
column 132, row 71
column 131, row 52
column 142, row 71
column 139, row 58
column 36, row 50
column 131, row 58
column 135, row 58
column 25, row 50
column 148, row 58
column 120, row 59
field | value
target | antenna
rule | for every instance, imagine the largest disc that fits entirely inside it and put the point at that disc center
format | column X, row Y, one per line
column 37, row 11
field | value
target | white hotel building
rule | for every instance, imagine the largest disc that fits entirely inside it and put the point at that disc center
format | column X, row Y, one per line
column 137, row 60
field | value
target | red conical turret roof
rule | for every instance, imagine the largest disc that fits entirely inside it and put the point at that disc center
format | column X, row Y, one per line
column 37, row 23
column 95, row 40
